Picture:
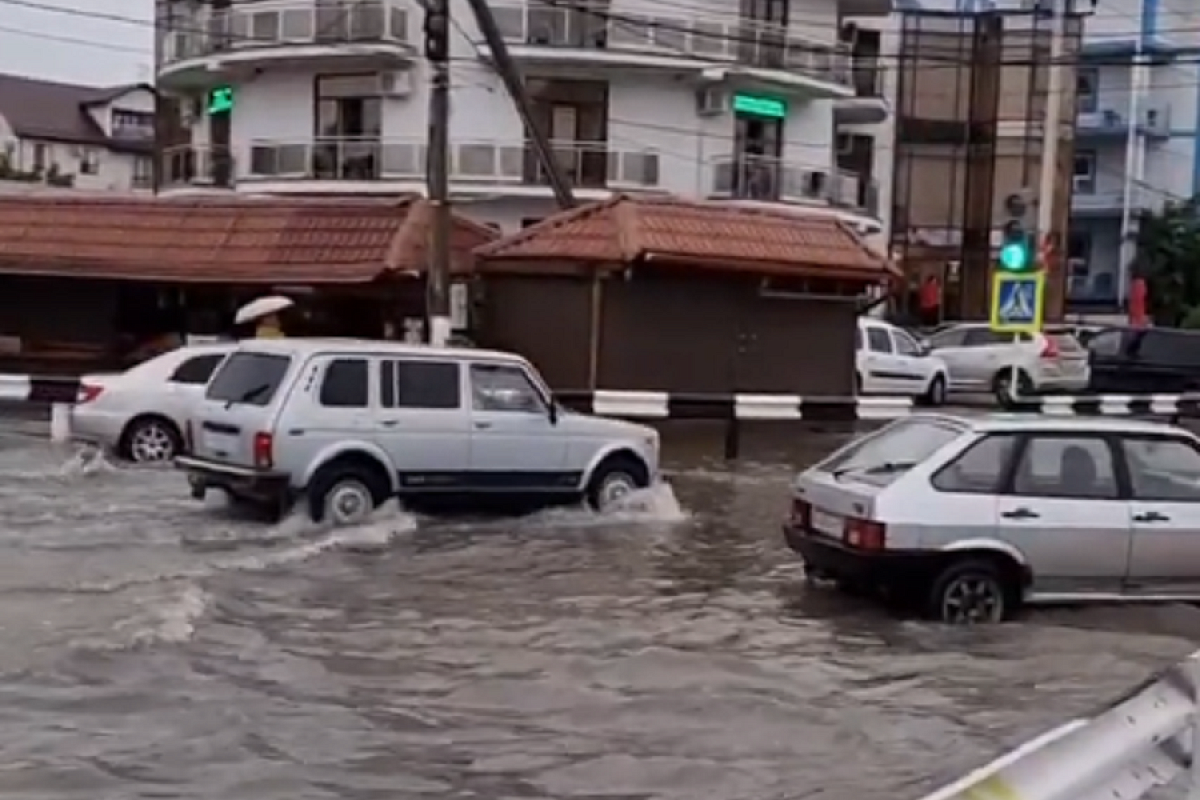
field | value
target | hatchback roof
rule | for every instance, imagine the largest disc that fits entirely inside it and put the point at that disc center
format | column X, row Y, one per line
column 1017, row 422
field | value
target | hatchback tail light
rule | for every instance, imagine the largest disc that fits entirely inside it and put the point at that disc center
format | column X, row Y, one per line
column 264, row 445
column 88, row 393
column 801, row 513
column 864, row 534
column 1049, row 348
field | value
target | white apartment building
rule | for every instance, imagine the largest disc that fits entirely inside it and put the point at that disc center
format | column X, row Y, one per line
column 694, row 97
column 1136, row 136
column 71, row 136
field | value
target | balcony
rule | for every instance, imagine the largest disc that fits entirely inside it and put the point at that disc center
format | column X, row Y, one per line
column 773, row 181
column 480, row 166
column 368, row 34
column 1089, row 203
column 596, row 36
column 1154, row 121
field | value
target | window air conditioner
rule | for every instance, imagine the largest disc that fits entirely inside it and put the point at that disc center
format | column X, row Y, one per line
column 711, row 102
column 396, row 84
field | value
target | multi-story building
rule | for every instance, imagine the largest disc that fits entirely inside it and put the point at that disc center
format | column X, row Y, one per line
column 1135, row 138
column 693, row 97
column 85, row 137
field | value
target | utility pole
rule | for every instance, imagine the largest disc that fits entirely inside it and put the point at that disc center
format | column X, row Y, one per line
column 1128, row 247
column 437, row 172
column 1049, row 177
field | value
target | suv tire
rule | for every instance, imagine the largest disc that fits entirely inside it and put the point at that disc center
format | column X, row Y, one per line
column 345, row 494
column 615, row 478
column 970, row 592
column 1002, row 386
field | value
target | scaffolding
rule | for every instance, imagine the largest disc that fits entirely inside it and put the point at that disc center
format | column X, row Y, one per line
column 970, row 109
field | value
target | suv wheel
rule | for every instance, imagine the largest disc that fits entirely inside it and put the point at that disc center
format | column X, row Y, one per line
column 614, row 480
column 344, row 496
column 970, row 592
column 1002, row 386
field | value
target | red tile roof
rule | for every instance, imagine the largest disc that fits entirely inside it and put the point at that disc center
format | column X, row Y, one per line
column 716, row 236
column 227, row 240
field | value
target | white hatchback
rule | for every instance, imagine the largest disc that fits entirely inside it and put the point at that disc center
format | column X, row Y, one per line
column 888, row 360
column 140, row 414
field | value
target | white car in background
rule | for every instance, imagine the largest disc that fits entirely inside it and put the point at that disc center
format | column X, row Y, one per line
column 981, row 360
column 889, row 361
column 140, row 414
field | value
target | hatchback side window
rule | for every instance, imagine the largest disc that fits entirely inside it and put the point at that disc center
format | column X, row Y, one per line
column 504, row 388
column 879, row 340
column 1166, row 470
column 345, row 384
column 428, row 385
column 1066, row 466
column 978, row 469
column 981, row 337
column 196, row 370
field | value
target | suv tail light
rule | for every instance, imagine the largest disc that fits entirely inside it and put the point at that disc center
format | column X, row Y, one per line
column 865, row 535
column 88, row 393
column 1049, row 348
column 801, row 513
column 264, row 445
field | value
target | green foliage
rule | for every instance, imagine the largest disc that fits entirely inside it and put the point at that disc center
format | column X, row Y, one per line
column 1168, row 257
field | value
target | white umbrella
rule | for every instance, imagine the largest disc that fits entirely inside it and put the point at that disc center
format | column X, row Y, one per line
column 263, row 306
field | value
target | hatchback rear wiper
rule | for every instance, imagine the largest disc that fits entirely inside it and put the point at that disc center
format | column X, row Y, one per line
column 885, row 468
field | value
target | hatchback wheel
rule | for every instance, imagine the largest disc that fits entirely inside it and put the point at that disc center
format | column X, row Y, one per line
column 970, row 593
column 150, row 441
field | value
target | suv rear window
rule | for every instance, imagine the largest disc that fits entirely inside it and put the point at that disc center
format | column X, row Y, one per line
column 251, row 378
column 889, row 452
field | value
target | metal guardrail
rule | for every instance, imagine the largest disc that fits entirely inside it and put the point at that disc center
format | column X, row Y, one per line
column 1144, row 740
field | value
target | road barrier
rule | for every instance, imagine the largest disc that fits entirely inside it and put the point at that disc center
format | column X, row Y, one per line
column 60, row 392
column 1144, row 740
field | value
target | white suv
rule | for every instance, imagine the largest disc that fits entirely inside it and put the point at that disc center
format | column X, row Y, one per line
column 888, row 360
column 345, row 425
column 981, row 360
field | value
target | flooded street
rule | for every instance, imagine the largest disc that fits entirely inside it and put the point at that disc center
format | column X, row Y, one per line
column 158, row 647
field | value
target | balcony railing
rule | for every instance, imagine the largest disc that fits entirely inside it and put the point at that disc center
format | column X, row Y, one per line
column 773, row 180
column 494, row 163
column 598, row 27
column 198, row 166
column 276, row 24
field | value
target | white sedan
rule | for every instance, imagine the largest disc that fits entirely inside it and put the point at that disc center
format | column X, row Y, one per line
column 140, row 414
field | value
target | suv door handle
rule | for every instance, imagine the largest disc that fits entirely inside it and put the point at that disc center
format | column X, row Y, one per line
column 1151, row 516
column 482, row 426
column 1020, row 513
column 390, row 423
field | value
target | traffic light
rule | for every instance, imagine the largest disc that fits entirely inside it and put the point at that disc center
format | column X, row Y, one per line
column 1016, row 243
column 437, row 31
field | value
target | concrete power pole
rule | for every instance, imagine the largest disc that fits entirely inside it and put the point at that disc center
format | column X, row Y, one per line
column 437, row 168
column 1049, row 176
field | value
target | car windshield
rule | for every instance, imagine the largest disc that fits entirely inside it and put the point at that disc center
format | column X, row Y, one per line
column 888, row 453
column 249, row 377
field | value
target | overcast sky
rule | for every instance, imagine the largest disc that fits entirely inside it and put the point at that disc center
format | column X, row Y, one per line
column 38, row 42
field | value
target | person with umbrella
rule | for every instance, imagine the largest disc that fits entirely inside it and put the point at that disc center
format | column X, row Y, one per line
column 266, row 315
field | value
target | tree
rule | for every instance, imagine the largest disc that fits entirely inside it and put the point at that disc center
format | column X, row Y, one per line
column 1168, row 258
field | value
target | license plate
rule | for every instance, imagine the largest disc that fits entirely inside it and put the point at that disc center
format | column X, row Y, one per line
column 824, row 522
column 218, row 442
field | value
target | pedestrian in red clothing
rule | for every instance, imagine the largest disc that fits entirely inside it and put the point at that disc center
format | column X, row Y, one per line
column 931, row 302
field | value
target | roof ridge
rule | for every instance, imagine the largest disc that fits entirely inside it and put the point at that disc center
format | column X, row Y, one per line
column 548, row 225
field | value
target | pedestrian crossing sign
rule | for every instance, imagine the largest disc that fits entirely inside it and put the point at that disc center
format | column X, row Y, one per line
column 1018, row 302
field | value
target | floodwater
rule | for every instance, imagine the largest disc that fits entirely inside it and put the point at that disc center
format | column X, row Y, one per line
column 156, row 647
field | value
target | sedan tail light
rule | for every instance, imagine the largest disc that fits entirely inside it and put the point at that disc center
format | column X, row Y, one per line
column 864, row 534
column 88, row 393
column 1049, row 348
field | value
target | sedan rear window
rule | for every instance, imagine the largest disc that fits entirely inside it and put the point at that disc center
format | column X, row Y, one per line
column 891, row 451
column 247, row 377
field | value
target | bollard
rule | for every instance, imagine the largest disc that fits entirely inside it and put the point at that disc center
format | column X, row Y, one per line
column 60, row 423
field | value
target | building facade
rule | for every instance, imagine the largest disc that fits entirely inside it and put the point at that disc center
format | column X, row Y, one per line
column 71, row 136
column 1136, row 137
column 691, row 97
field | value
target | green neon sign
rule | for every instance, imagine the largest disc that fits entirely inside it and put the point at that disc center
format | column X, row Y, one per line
column 756, row 106
column 220, row 100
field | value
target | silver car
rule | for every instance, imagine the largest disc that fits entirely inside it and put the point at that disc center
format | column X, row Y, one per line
column 981, row 360
column 972, row 518
column 343, row 425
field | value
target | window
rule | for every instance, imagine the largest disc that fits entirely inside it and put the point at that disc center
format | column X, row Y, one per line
column 349, row 122
column 979, row 469
column 1066, row 466
column 345, row 384
column 955, row 337
column 905, row 344
column 1085, row 171
column 504, row 388
column 1107, row 343
column 904, row 443
column 89, row 162
column 1161, row 469
column 1168, row 348
column 248, row 377
column 1087, row 85
column 197, row 370
column 419, row 384
column 143, row 171
column 982, row 337
column 132, row 124
column 878, row 340
column 39, row 156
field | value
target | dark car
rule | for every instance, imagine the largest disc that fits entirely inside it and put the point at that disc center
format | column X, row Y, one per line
column 1145, row 360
